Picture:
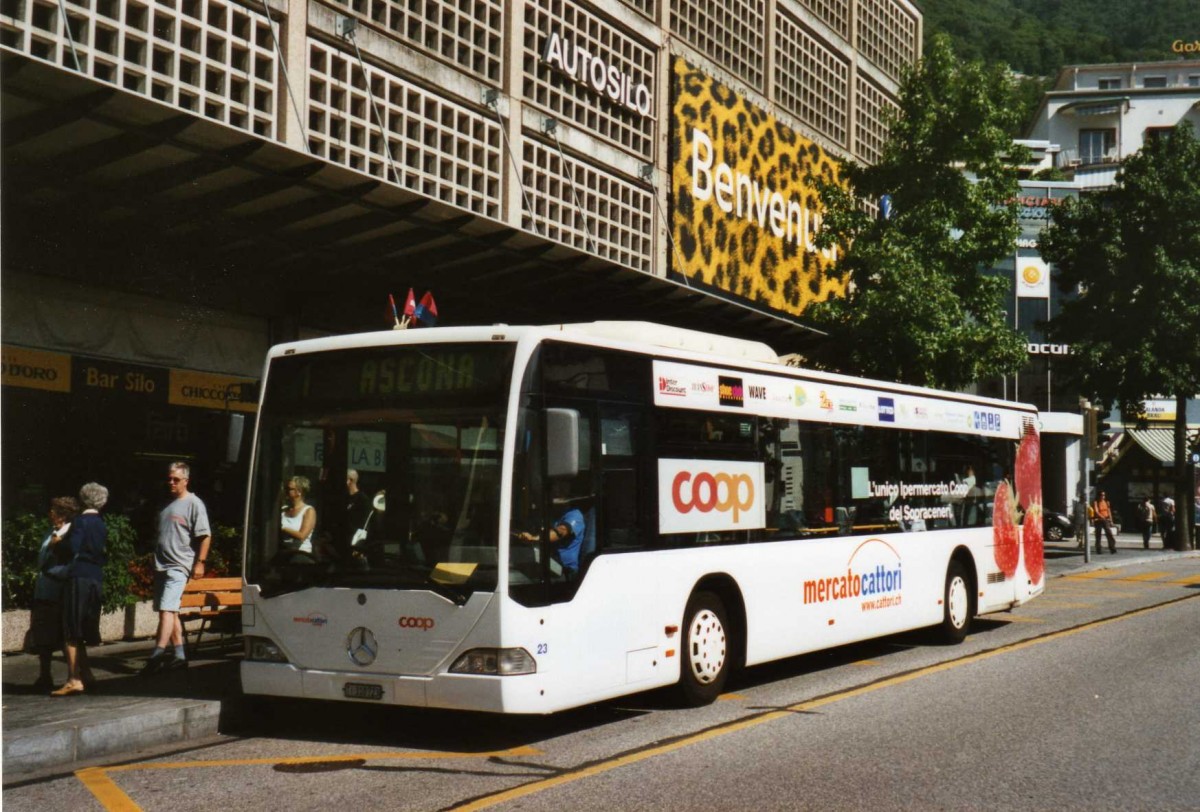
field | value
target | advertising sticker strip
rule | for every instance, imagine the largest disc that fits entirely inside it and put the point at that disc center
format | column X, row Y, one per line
column 688, row 386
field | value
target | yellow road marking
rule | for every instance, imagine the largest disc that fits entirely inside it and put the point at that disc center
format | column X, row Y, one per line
column 865, row 662
column 724, row 697
column 1191, row 579
column 1060, row 604
column 106, row 791
column 112, row 798
column 1023, row 619
column 1084, row 576
column 1146, row 576
column 787, row 713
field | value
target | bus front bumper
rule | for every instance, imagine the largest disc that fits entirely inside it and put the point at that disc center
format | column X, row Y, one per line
column 510, row 694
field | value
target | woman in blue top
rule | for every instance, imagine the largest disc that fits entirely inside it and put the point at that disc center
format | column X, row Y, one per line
column 45, row 618
column 82, row 592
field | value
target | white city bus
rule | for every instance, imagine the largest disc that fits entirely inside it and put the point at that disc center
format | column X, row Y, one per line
column 562, row 514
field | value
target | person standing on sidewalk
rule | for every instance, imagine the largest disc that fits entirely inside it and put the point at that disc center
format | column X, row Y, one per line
column 83, row 591
column 182, row 528
column 46, row 616
column 1147, row 515
column 1104, row 521
column 1166, row 523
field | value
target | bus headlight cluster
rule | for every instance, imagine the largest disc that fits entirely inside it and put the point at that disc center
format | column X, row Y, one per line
column 264, row 650
column 504, row 662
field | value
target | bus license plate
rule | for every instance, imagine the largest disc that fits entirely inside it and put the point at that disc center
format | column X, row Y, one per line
column 361, row 690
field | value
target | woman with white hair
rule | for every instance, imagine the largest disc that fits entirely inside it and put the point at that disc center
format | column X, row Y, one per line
column 82, row 592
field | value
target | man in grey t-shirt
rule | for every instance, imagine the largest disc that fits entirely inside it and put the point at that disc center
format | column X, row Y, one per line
column 182, row 527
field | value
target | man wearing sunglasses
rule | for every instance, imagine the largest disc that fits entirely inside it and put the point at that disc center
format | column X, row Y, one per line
column 184, row 537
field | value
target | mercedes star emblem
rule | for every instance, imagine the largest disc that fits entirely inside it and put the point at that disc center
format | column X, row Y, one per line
column 361, row 646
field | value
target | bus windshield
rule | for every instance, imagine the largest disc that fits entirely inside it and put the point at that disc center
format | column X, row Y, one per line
column 380, row 468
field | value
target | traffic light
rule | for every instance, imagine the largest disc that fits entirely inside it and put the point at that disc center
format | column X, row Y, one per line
column 1099, row 433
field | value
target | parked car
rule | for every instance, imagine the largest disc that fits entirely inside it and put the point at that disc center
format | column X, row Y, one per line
column 1057, row 526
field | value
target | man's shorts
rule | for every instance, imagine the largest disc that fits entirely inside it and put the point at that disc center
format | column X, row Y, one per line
column 168, row 589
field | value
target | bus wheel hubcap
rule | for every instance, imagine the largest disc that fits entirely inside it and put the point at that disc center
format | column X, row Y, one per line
column 957, row 602
column 707, row 641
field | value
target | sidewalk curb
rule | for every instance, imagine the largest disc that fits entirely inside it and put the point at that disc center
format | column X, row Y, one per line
column 116, row 733
column 1118, row 561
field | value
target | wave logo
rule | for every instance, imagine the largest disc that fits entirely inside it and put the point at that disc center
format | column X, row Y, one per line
column 873, row 572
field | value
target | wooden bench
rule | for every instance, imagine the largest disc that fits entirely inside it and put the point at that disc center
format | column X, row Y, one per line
column 216, row 603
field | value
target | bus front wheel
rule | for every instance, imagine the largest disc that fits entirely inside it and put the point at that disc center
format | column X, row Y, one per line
column 706, row 649
column 956, row 604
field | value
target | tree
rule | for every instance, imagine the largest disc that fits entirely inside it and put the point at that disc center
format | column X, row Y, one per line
column 1133, row 254
column 917, row 308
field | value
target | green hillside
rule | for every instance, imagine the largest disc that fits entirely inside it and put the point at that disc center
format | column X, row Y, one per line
column 1037, row 37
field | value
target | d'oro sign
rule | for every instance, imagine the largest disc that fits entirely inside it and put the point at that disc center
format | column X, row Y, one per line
column 744, row 211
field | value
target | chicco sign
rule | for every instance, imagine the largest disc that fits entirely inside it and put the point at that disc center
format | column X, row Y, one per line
column 710, row 496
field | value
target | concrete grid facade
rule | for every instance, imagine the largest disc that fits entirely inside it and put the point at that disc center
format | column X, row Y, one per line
column 464, row 91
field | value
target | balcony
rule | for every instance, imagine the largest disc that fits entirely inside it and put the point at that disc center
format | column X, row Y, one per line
column 1074, row 159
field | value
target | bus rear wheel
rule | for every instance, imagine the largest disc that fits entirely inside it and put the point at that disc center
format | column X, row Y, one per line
column 956, row 604
column 706, row 659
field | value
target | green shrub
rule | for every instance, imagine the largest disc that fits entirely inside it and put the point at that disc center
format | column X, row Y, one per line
column 23, row 536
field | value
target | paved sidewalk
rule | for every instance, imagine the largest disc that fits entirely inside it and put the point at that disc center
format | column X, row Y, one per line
column 1066, row 557
column 124, row 713
column 128, row 713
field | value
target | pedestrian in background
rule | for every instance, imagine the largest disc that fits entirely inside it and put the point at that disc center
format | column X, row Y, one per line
column 83, row 593
column 182, row 530
column 1102, row 511
column 1166, row 523
column 1148, row 516
column 46, row 614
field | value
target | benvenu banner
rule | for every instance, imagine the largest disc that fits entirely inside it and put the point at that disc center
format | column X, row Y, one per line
column 744, row 210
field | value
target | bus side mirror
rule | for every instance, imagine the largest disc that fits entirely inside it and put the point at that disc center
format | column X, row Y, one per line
column 562, row 442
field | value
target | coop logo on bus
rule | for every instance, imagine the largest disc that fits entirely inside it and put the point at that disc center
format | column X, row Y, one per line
column 730, row 391
column 873, row 575
column 710, row 496
column 887, row 410
column 985, row 421
column 670, row 386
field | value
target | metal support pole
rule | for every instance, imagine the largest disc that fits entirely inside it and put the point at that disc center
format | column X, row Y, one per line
column 1085, row 459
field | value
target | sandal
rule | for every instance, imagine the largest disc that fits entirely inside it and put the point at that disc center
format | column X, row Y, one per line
column 68, row 689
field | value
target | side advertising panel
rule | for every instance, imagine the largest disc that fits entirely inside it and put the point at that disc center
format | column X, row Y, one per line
column 744, row 208
column 708, row 496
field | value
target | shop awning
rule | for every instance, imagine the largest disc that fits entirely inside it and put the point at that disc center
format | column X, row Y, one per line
column 1158, row 443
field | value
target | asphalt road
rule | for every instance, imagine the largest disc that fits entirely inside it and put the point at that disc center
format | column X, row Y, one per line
column 1084, row 700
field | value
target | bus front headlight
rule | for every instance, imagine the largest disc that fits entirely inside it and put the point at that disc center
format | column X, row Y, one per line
column 503, row 662
column 264, row 650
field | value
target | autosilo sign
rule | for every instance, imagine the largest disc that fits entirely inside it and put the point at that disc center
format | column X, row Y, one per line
column 595, row 72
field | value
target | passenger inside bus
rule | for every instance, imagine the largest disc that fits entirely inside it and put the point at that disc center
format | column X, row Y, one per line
column 298, row 519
